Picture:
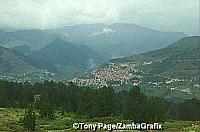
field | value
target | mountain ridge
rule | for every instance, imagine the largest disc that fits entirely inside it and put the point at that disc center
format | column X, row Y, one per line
column 103, row 39
column 169, row 48
column 15, row 62
column 65, row 53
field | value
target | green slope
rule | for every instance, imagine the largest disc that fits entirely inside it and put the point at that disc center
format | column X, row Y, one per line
column 13, row 62
column 181, row 56
column 185, row 48
column 172, row 72
column 66, row 53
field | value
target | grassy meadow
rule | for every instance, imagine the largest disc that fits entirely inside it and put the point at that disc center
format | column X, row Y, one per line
column 11, row 120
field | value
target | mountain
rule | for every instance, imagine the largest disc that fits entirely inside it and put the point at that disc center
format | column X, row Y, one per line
column 15, row 66
column 109, row 41
column 23, row 49
column 185, row 48
column 180, row 59
column 35, row 38
column 172, row 72
column 119, row 39
column 13, row 62
column 59, row 58
column 67, row 53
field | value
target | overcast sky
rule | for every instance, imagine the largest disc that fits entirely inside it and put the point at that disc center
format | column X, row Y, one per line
column 164, row 15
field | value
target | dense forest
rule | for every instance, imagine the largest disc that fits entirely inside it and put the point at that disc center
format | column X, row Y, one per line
column 47, row 97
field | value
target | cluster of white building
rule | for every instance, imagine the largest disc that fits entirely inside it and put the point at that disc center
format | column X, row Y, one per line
column 112, row 72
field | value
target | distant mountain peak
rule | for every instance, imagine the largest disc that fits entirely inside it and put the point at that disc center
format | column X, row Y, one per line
column 59, row 44
column 102, row 38
column 66, row 53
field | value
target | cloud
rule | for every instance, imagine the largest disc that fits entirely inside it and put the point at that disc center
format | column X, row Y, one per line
column 167, row 15
column 104, row 31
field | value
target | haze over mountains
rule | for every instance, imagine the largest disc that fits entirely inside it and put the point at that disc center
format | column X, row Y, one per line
column 119, row 39
column 109, row 41
column 169, row 62
column 35, row 38
column 75, row 49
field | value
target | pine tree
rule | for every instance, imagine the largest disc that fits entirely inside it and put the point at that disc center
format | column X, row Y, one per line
column 134, row 104
column 29, row 119
column 46, row 109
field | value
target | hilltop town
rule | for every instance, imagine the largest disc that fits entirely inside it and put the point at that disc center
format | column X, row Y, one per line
column 114, row 74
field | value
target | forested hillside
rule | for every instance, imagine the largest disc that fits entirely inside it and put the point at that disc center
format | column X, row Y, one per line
column 172, row 72
column 48, row 97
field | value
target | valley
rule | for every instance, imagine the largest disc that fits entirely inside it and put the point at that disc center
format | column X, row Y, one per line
column 72, row 51
column 172, row 72
column 32, row 77
column 99, row 65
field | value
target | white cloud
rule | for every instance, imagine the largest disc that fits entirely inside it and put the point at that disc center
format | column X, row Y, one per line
column 167, row 15
column 104, row 31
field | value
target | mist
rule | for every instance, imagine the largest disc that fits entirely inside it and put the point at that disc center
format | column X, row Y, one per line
column 164, row 15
